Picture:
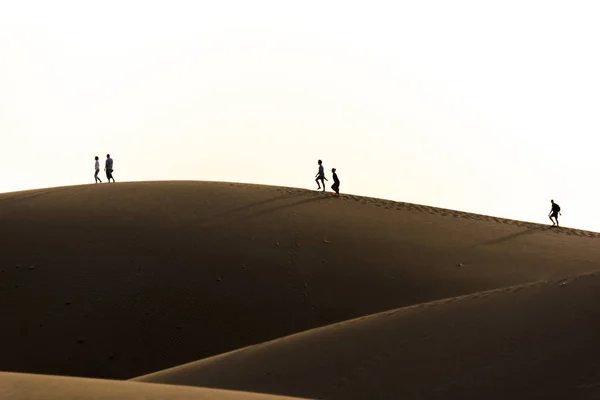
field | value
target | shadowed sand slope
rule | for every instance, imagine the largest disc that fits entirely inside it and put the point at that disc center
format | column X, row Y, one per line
column 535, row 341
column 117, row 281
column 41, row 387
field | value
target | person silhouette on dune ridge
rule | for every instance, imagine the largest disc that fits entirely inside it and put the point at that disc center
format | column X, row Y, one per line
column 320, row 176
column 336, row 182
column 97, row 168
column 554, row 213
column 109, row 168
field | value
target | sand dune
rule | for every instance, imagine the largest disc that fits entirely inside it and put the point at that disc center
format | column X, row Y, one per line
column 535, row 341
column 41, row 387
column 118, row 281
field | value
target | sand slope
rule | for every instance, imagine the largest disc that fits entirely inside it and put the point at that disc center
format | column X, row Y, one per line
column 531, row 341
column 40, row 387
column 122, row 280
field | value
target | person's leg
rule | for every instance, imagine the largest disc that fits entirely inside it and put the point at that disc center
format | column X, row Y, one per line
column 318, row 184
column 323, row 182
column 556, row 218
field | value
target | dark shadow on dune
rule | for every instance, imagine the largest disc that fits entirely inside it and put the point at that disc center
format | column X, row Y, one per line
column 274, row 209
column 257, row 204
column 514, row 236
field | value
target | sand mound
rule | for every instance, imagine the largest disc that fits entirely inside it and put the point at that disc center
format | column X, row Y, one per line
column 41, row 387
column 121, row 280
column 525, row 342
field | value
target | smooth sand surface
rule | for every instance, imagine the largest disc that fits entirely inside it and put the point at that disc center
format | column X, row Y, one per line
column 535, row 341
column 42, row 387
column 121, row 280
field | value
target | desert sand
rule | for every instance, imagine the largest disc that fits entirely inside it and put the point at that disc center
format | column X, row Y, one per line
column 527, row 341
column 43, row 387
column 121, row 281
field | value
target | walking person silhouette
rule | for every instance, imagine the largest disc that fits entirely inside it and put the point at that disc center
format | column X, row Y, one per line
column 321, row 176
column 336, row 182
column 554, row 213
column 97, row 168
column 109, row 168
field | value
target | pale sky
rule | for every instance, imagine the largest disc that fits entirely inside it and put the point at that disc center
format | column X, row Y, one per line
column 486, row 107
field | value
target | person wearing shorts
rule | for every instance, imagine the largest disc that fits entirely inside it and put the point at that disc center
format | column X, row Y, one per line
column 336, row 182
column 321, row 176
column 554, row 213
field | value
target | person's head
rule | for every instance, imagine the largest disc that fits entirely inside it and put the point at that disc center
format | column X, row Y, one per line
column 96, row 158
column 552, row 201
column 108, row 156
column 320, row 162
column 332, row 169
